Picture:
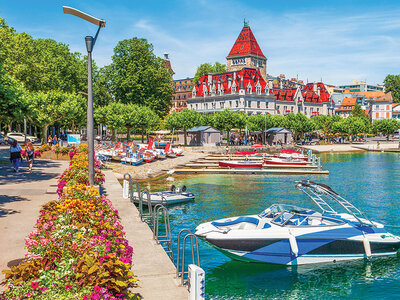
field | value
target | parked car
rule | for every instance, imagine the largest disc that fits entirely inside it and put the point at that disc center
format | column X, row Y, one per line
column 20, row 137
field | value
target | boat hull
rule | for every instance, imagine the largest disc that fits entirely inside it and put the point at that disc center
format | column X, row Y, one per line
column 284, row 162
column 240, row 164
column 165, row 198
column 136, row 162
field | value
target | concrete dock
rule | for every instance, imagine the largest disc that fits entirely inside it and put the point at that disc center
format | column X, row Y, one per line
column 151, row 264
column 215, row 165
column 252, row 171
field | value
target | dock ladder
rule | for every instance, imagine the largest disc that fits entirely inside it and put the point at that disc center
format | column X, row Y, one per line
column 149, row 215
column 164, row 240
column 194, row 247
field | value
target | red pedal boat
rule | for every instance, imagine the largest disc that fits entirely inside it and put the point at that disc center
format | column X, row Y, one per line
column 284, row 161
column 242, row 164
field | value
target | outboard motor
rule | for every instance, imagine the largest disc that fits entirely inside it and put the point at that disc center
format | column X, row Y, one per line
column 184, row 188
column 173, row 188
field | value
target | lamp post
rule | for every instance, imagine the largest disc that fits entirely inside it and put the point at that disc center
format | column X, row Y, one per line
column 90, row 41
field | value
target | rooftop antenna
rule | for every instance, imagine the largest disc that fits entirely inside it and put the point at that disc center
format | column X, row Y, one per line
column 245, row 24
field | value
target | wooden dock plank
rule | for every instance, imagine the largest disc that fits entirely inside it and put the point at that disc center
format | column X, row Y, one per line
column 207, row 165
column 252, row 171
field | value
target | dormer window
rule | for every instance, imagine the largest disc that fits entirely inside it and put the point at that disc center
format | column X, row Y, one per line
column 258, row 90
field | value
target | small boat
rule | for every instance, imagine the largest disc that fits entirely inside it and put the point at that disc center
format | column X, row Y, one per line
column 290, row 235
column 173, row 196
column 290, row 151
column 249, row 153
column 240, row 164
column 148, row 156
column 292, row 156
column 284, row 161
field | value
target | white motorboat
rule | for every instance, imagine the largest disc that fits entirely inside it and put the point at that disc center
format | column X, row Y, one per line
column 290, row 235
column 173, row 196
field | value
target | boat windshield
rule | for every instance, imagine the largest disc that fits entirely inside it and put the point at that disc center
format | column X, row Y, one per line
column 276, row 209
column 294, row 218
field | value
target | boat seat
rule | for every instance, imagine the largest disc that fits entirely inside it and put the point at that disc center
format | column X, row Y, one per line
column 236, row 221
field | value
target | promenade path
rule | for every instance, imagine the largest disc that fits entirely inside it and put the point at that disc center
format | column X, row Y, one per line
column 21, row 197
column 155, row 271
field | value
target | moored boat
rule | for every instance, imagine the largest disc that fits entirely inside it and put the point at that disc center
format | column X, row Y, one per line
column 291, row 235
column 240, row 164
column 249, row 153
column 284, row 161
column 173, row 196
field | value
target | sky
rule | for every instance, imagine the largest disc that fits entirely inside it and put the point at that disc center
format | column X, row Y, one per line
column 337, row 41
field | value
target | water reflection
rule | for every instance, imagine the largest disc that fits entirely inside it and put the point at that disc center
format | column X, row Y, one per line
column 272, row 281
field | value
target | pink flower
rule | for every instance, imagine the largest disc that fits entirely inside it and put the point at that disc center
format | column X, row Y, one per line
column 68, row 287
column 42, row 289
column 97, row 288
column 34, row 285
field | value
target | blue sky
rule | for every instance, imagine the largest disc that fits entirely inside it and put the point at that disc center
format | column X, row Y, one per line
column 337, row 41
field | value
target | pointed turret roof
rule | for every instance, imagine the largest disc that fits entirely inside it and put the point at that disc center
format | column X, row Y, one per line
column 246, row 44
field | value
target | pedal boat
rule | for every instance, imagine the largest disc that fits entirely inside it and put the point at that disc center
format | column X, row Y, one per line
column 290, row 235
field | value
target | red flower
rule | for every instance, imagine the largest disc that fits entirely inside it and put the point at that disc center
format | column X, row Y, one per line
column 34, row 285
column 68, row 287
column 85, row 297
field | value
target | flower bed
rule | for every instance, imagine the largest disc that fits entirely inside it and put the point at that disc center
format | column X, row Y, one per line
column 77, row 250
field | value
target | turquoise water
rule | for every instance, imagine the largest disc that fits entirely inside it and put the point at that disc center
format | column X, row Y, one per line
column 371, row 181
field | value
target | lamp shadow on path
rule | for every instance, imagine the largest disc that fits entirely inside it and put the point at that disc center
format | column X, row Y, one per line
column 7, row 199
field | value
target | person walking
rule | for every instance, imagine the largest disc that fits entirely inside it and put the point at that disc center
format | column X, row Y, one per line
column 30, row 151
column 15, row 155
column 55, row 141
column 50, row 140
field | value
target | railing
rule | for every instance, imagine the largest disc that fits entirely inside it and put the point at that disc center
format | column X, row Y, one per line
column 163, row 240
column 192, row 237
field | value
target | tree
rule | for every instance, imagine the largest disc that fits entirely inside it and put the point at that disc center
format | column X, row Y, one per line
column 138, row 76
column 47, row 108
column 386, row 126
column 145, row 119
column 325, row 123
column 299, row 123
column 356, row 125
column 183, row 120
column 225, row 120
column 111, row 115
column 208, row 68
column 42, row 64
column 206, row 120
column 12, row 101
column 392, row 84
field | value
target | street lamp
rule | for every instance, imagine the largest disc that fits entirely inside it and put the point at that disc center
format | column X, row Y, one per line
column 90, row 41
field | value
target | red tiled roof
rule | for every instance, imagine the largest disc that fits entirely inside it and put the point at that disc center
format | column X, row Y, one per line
column 246, row 44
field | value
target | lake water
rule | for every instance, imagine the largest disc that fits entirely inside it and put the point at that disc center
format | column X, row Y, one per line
column 371, row 181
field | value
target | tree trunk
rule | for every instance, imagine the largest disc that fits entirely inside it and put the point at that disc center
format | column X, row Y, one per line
column 142, row 133
column 9, row 126
column 184, row 137
column 128, row 133
column 44, row 138
column 113, row 135
column 227, row 136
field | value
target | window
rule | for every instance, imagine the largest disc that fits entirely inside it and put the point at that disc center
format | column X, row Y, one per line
column 196, row 106
column 237, row 103
column 249, row 89
column 222, row 104
column 230, row 103
column 258, row 90
column 258, row 104
column 248, row 103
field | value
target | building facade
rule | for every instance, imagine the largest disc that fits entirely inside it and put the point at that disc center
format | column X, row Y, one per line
column 247, row 88
column 182, row 90
column 362, row 86
column 381, row 107
column 246, row 53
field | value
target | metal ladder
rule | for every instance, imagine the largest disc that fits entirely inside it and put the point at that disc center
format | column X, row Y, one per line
column 131, row 183
column 145, row 216
column 163, row 240
column 181, row 273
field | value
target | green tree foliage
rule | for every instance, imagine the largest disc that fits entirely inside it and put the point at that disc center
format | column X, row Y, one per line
column 208, row 68
column 356, row 125
column 206, row 120
column 392, row 84
column 184, row 120
column 47, row 108
column 145, row 120
column 42, row 64
column 298, row 123
column 12, row 101
column 259, row 122
column 325, row 123
column 226, row 120
column 386, row 126
column 138, row 76
column 112, row 115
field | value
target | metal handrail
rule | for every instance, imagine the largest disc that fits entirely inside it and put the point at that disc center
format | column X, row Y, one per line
column 164, row 240
column 149, row 215
column 192, row 237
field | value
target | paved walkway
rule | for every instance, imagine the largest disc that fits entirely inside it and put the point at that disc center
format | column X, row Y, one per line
column 21, row 197
column 151, row 264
